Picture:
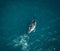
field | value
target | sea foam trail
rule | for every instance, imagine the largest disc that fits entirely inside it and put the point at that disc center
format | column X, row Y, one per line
column 22, row 41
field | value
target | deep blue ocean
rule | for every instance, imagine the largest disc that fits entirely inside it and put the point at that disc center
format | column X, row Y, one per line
column 15, row 17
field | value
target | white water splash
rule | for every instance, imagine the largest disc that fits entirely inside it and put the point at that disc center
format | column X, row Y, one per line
column 21, row 41
column 24, row 43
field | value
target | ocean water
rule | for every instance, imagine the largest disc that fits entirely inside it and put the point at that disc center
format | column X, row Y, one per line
column 15, row 17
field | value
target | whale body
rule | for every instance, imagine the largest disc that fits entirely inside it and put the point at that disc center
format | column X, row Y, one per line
column 32, row 26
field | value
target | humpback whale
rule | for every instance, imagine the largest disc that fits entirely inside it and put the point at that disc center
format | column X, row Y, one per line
column 32, row 26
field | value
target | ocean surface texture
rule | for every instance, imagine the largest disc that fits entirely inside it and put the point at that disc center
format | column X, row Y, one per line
column 16, row 16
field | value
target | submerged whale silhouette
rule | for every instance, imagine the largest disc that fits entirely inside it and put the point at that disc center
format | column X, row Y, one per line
column 32, row 26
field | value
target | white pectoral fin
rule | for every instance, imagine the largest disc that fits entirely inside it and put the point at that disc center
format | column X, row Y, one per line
column 34, row 30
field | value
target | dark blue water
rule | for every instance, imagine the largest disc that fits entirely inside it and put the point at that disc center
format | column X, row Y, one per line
column 15, row 17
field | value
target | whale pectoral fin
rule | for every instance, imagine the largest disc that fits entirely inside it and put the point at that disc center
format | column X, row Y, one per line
column 34, row 30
